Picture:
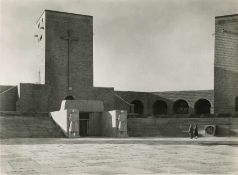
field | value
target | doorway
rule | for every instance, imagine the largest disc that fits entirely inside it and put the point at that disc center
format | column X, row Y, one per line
column 202, row 106
column 83, row 123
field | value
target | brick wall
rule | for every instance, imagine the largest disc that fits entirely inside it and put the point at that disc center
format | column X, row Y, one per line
column 226, row 63
column 105, row 95
column 8, row 98
column 148, row 99
column 33, row 97
column 191, row 97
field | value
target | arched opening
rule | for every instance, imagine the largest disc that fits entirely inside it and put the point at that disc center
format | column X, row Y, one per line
column 236, row 103
column 70, row 97
column 160, row 107
column 181, row 107
column 202, row 106
column 138, row 106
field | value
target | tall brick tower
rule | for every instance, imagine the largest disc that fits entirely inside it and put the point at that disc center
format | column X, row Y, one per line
column 226, row 64
column 66, row 44
column 65, row 69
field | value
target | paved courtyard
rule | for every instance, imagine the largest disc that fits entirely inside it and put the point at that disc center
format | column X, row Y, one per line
column 119, row 156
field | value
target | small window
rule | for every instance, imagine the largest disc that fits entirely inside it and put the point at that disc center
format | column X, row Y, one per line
column 38, row 25
column 42, row 20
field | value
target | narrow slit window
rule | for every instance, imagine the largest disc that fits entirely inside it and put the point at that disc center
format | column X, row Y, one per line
column 40, row 38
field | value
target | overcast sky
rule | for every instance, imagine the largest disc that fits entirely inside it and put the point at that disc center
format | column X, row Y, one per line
column 141, row 45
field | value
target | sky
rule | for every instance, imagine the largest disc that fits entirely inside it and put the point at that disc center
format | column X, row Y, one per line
column 139, row 45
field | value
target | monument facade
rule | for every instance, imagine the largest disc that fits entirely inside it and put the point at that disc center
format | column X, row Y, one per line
column 65, row 72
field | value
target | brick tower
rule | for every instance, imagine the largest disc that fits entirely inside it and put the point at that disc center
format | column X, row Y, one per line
column 66, row 44
column 66, row 41
column 226, row 64
column 65, row 69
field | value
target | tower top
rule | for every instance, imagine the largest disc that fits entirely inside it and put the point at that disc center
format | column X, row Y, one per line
column 59, row 12
column 226, row 16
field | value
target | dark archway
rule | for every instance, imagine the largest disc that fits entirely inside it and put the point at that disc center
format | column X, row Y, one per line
column 70, row 97
column 202, row 106
column 160, row 107
column 138, row 106
column 181, row 107
column 236, row 103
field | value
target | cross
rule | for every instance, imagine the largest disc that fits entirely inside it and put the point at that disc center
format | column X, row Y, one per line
column 69, row 39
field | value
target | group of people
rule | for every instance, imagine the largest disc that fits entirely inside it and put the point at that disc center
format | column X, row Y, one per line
column 193, row 131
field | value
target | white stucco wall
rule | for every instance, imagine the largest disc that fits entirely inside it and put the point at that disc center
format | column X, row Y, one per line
column 60, row 117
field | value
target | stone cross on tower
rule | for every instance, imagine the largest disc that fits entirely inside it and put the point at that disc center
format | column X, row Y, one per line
column 69, row 38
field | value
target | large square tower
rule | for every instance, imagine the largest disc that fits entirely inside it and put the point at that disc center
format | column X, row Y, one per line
column 65, row 69
column 226, row 64
column 66, row 50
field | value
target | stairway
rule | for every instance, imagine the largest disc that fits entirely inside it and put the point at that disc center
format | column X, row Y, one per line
column 140, row 127
column 28, row 125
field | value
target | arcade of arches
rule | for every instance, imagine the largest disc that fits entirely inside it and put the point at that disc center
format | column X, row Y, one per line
column 202, row 106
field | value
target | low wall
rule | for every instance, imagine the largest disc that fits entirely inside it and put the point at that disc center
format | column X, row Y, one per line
column 178, row 127
column 33, row 98
column 8, row 98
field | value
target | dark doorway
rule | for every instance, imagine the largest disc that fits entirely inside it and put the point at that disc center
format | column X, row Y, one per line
column 160, row 107
column 138, row 106
column 181, row 107
column 83, row 123
column 202, row 106
column 83, row 128
column 70, row 97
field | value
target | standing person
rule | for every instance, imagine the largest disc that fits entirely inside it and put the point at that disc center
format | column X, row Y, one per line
column 196, row 131
column 190, row 131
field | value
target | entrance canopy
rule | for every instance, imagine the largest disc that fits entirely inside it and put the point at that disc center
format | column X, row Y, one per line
column 83, row 105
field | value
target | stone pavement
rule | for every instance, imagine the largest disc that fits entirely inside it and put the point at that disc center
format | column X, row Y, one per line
column 210, row 155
